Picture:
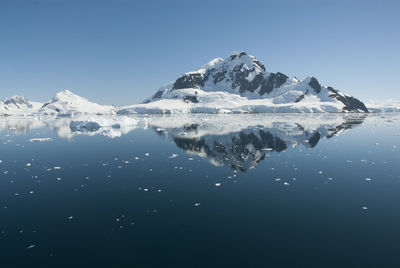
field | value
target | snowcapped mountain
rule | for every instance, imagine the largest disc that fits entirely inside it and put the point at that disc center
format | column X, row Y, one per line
column 66, row 103
column 18, row 105
column 240, row 84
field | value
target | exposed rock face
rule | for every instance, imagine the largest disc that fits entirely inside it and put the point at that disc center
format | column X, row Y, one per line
column 244, row 75
column 315, row 85
column 350, row 103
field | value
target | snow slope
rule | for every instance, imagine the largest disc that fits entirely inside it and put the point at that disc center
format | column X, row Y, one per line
column 18, row 105
column 241, row 84
column 384, row 107
column 66, row 103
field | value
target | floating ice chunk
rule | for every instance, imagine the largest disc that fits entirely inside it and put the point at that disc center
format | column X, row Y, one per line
column 266, row 149
column 40, row 139
column 30, row 246
column 137, row 158
column 364, row 208
column 56, row 168
column 146, row 154
column 368, row 179
column 59, row 179
column 364, row 160
column 70, row 217
column 320, row 172
column 196, row 204
column 173, row 156
column 31, row 192
column 190, row 159
column 278, row 179
column 146, row 190
column 218, row 184
column 1, row 161
column 28, row 164
column 286, row 183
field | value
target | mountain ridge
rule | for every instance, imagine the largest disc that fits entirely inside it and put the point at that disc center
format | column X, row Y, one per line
column 242, row 74
column 238, row 84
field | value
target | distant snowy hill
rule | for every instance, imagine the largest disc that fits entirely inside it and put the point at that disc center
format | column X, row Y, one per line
column 384, row 106
column 241, row 84
column 66, row 103
column 18, row 105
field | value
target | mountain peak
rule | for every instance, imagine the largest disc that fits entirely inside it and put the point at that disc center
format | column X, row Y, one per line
column 67, row 103
column 17, row 100
column 244, row 76
column 242, row 57
column 67, row 95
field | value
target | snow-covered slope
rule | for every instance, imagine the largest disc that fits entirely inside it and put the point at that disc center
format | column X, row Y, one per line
column 18, row 105
column 240, row 84
column 384, row 107
column 66, row 103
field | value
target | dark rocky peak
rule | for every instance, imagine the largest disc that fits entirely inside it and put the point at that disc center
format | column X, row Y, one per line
column 243, row 59
column 240, row 70
column 314, row 84
column 189, row 80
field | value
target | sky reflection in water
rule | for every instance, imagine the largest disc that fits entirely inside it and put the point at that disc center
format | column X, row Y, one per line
column 204, row 190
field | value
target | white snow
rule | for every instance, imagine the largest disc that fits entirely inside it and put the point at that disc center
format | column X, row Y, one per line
column 18, row 105
column 67, row 103
column 224, row 102
column 389, row 105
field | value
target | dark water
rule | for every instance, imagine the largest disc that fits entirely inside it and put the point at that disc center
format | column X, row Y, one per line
column 205, row 191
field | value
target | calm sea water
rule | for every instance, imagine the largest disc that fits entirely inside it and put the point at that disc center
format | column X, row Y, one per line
column 200, row 191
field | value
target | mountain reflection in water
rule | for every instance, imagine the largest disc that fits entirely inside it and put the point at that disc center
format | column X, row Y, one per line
column 238, row 141
column 244, row 147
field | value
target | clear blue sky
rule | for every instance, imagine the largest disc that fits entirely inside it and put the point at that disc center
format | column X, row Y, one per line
column 120, row 52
